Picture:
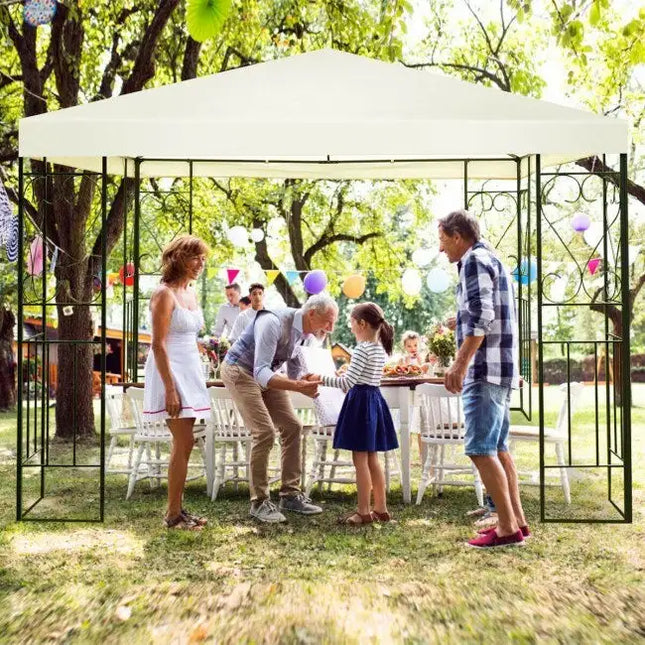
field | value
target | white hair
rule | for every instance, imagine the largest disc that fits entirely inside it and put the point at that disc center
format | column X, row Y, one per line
column 321, row 303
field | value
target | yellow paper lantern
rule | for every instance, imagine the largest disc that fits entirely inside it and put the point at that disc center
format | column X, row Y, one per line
column 354, row 286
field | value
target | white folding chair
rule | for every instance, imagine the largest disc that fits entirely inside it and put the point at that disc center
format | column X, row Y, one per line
column 442, row 429
column 119, row 427
column 556, row 436
column 153, row 435
column 228, row 431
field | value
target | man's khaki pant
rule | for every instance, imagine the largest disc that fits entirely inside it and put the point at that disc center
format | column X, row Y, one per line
column 263, row 411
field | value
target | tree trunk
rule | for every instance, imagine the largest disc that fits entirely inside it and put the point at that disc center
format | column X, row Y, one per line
column 74, row 396
column 7, row 361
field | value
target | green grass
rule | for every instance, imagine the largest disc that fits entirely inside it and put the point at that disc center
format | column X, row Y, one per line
column 312, row 581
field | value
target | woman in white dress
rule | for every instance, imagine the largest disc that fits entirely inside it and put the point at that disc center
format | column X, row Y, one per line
column 174, row 383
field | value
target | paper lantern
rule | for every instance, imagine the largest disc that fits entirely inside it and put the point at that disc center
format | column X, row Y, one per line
column 580, row 222
column 96, row 284
column 438, row 280
column 238, row 236
column 527, row 271
column 257, row 234
column 411, row 282
column 126, row 274
column 204, row 18
column 422, row 257
column 39, row 12
column 315, row 281
column 354, row 286
column 593, row 235
column 12, row 241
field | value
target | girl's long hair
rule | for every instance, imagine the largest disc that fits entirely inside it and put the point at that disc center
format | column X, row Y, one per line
column 372, row 314
column 175, row 257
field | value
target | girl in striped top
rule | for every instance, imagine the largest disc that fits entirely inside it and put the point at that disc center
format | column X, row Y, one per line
column 365, row 423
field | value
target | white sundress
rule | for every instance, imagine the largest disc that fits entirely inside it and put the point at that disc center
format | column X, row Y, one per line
column 185, row 367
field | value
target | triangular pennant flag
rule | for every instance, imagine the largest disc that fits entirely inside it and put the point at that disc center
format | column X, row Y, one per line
column 592, row 265
column 271, row 275
column 52, row 262
column 231, row 274
column 292, row 276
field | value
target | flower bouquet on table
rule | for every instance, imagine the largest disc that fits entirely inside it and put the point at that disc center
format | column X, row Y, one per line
column 441, row 343
column 214, row 350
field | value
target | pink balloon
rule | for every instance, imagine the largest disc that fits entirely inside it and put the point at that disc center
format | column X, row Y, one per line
column 315, row 281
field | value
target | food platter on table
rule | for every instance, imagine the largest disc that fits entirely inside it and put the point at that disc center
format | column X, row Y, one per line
column 402, row 370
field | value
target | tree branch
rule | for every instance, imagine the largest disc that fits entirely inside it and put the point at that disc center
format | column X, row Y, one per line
column 338, row 237
column 596, row 166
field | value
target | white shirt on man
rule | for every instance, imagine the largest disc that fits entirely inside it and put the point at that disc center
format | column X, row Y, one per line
column 226, row 317
column 241, row 322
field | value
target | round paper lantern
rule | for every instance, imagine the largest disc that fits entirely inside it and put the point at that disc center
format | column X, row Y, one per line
column 126, row 274
column 257, row 234
column 315, row 281
column 593, row 235
column 422, row 257
column 438, row 280
column 580, row 222
column 238, row 236
column 354, row 286
column 39, row 12
column 411, row 282
column 527, row 271
column 96, row 284
column 204, row 18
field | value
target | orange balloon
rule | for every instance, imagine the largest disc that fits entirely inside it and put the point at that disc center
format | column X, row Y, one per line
column 354, row 286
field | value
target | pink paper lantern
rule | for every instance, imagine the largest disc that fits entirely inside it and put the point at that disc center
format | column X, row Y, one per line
column 580, row 222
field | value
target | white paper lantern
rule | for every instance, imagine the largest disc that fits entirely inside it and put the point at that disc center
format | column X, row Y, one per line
column 633, row 253
column 558, row 289
column 593, row 236
column 257, row 234
column 438, row 280
column 422, row 257
column 411, row 282
column 238, row 236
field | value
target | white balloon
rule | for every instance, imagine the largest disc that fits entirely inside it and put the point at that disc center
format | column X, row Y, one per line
column 593, row 235
column 422, row 257
column 238, row 236
column 633, row 253
column 438, row 280
column 411, row 282
column 558, row 288
column 257, row 234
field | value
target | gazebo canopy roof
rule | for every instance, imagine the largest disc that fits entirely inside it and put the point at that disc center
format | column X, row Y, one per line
column 323, row 114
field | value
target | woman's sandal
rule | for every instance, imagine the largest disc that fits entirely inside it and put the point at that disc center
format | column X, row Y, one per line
column 356, row 519
column 196, row 519
column 181, row 523
column 382, row 517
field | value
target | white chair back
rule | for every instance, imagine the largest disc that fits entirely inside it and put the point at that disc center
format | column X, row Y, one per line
column 114, row 399
column 572, row 400
column 226, row 419
column 152, row 430
column 441, row 414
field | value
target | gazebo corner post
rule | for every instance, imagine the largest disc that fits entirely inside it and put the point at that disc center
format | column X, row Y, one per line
column 190, row 197
column 21, row 188
column 136, row 251
column 520, row 305
column 103, row 332
column 538, row 254
column 44, row 446
column 466, row 184
column 626, row 394
column 529, row 303
column 124, row 312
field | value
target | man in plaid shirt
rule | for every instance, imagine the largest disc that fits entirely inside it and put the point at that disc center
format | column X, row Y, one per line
column 485, row 371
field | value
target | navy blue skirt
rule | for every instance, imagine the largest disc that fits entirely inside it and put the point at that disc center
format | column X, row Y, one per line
column 365, row 423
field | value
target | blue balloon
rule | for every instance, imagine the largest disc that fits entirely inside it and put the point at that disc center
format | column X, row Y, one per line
column 527, row 271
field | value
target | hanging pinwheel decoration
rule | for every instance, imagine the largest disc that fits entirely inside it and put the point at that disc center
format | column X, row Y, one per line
column 205, row 18
column 39, row 12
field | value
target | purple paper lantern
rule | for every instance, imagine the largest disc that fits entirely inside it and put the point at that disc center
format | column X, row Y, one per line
column 580, row 223
column 315, row 281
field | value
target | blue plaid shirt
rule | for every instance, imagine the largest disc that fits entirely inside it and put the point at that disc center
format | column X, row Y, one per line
column 486, row 307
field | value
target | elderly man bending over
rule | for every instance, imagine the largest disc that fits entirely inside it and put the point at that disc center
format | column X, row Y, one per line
column 261, row 394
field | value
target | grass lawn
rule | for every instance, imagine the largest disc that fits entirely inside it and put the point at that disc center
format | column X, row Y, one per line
column 311, row 581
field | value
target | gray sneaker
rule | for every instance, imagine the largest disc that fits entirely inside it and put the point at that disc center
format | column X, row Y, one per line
column 299, row 503
column 267, row 511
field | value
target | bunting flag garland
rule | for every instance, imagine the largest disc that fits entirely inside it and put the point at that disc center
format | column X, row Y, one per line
column 12, row 241
column 292, row 276
column 593, row 265
column 231, row 274
column 35, row 257
column 271, row 275
column 5, row 215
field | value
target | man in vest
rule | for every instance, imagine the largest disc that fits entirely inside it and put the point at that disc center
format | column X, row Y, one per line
column 250, row 373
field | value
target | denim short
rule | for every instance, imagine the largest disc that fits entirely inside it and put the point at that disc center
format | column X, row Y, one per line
column 487, row 418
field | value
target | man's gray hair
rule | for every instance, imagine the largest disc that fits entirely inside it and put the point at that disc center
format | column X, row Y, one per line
column 320, row 303
column 461, row 222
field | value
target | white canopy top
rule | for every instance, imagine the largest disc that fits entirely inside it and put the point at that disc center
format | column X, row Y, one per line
column 324, row 114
